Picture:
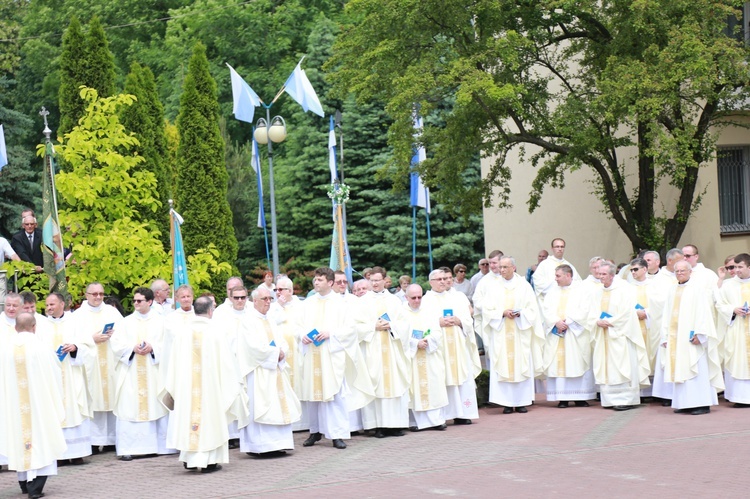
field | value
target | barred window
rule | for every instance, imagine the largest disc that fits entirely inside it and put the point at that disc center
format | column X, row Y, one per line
column 734, row 189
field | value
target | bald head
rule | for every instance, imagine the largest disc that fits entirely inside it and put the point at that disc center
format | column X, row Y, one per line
column 414, row 296
column 25, row 323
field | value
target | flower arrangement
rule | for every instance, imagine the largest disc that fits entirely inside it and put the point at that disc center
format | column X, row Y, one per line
column 339, row 193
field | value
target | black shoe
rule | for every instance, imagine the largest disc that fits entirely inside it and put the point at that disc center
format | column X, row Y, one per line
column 108, row 448
column 522, row 410
column 666, row 403
column 184, row 465
column 441, row 427
column 211, row 468
column 338, row 443
column 22, row 484
column 700, row 410
column 126, row 457
column 95, row 449
column 682, row 411
column 582, row 403
column 36, row 496
column 508, row 410
column 379, row 433
column 314, row 437
column 234, row 443
column 623, row 407
column 739, row 405
column 413, row 428
column 77, row 461
column 460, row 421
column 563, row 404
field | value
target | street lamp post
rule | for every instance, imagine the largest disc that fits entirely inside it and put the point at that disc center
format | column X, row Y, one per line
column 268, row 131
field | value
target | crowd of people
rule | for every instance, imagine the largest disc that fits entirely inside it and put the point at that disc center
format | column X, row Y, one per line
column 183, row 376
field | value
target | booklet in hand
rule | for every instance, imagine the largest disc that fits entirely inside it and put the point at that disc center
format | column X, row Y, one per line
column 638, row 306
column 312, row 334
column 60, row 354
column 416, row 333
column 448, row 312
column 557, row 332
column 605, row 315
column 385, row 317
column 108, row 328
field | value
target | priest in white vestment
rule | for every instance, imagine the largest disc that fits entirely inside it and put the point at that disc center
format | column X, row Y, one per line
column 13, row 305
column 544, row 275
column 74, row 349
column 285, row 313
column 31, row 407
column 90, row 320
column 507, row 312
column 228, row 303
column 384, row 338
column 733, row 307
column 567, row 349
column 177, row 322
column 330, row 382
column 650, row 297
column 428, row 395
column 204, row 390
column 458, row 346
column 137, row 346
column 272, row 404
column 690, row 343
column 620, row 363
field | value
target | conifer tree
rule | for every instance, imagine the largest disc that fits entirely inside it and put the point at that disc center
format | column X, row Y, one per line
column 145, row 119
column 99, row 67
column 72, row 63
column 202, row 175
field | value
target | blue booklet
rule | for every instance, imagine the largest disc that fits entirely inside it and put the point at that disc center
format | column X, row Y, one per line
column 60, row 354
column 638, row 306
column 108, row 328
column 556, row 332
column 385, row 317
column 416, row 333
column 312, row 334
column 448, row 312
column 273, row 343
column 692, row 335
column 605, row 315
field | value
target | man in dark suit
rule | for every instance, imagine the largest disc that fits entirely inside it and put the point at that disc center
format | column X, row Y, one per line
column 27, row 243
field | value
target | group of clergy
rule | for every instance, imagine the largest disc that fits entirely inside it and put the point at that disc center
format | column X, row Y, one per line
column 676, row 334
column 199, row 379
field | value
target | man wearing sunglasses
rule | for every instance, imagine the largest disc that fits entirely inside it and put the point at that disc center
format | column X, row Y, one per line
column 90, row 319
column 137, row 346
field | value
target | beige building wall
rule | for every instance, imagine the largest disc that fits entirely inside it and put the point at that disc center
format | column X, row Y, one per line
column 574, row 214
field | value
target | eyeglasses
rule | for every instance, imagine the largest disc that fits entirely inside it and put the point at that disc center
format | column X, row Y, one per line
column 636, row 269
column 279, row 290
column 415, row 297
column 483, row 264
column 689, row 256
column 136, row 300
column 265, row 298
column 341, row 282
column 243, row 297
column 95, row 294
column 461, row 271
column 729, row 267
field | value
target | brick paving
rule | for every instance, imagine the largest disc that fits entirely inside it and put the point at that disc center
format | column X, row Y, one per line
column 649, row 451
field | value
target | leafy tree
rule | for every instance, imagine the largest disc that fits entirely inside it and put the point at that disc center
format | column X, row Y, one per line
column 146, row 120
column 580, row 84
column 104, row 191
column 202, row 174
column 11, row 13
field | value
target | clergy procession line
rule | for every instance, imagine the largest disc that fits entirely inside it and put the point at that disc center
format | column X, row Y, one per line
column 201, row 379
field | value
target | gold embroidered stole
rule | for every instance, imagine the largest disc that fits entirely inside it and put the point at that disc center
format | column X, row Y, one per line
column 643, row 301
column 57, row 340
column 279, row 380
column 141, row 370
column 24, row 402
column 196, row 411
column 745, row 287
column 385, row 350
column 320, row 318
column 673, row 322
column 102, row 349
column 422, row 375
column 604, row 306
column 561, row 306
column 510, row 334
